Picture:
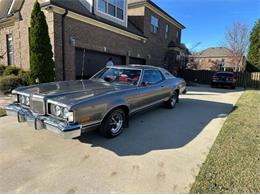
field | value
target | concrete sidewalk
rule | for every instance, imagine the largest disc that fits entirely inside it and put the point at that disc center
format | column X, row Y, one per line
column 161, row 152
column 5, row 100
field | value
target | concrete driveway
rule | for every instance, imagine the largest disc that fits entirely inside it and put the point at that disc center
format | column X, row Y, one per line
column 161, row 152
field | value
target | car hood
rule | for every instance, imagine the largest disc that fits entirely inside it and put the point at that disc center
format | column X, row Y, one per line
column 70, row 91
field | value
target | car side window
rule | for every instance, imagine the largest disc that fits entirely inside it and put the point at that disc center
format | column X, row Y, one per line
column 152, row 77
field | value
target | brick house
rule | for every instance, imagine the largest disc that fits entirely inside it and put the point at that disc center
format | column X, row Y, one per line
column 216, row 59
column 85, row 33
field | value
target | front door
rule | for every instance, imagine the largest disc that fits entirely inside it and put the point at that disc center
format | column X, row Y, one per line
column 153, row 89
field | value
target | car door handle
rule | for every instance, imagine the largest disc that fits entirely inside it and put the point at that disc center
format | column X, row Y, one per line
column 162, row 86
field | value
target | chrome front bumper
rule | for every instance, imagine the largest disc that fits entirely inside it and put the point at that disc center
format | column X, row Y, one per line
column 67, row 131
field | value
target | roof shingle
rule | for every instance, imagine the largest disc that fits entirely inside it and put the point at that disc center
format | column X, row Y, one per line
column 215, row 52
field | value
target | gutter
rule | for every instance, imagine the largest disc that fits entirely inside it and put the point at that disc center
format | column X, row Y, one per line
column 63, row 43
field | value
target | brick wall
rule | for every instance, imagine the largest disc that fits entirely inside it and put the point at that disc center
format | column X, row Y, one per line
column 157, row 44
column 94, row 38
column 211, row 63
column 20, row 33
column 89, row 37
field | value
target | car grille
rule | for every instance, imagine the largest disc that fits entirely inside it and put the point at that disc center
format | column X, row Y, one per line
column 37, row 106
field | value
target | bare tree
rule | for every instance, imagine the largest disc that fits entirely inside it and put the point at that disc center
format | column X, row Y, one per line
column 192, row 49
column 237, row 40
column 193, row 64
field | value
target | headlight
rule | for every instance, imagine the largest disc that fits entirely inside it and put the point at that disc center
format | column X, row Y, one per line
column 61, row 112
column 22, row 99
column 65, row 113
column 27, row 101
column 58, row 111
column 68, row 115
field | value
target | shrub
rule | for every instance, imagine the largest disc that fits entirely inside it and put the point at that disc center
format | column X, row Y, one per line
column 253, row 55
column 41, row 62
column 11, row 70
column 2, row 69
column 10, row 82
column 251, row 68
column 25, row 76
column 2, row 112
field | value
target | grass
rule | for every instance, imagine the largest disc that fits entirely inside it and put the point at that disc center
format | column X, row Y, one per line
column 233, row 163
column 2, row 112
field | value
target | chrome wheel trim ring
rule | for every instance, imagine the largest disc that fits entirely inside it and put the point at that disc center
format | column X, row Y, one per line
column 116, row 122
column 173, row 100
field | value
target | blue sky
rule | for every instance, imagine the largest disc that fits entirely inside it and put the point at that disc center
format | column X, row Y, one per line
column 206, row 21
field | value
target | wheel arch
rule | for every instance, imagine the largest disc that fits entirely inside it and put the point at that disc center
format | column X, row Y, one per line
column 124, row 107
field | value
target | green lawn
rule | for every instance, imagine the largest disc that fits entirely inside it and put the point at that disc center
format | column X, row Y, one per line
column 2, row 112
column 233, row 164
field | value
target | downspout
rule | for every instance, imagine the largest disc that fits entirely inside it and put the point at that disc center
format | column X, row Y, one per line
column 63, row 43
column 93, row 7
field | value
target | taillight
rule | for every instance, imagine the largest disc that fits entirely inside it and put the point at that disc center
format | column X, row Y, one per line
column 231, row 78
column 214, row 78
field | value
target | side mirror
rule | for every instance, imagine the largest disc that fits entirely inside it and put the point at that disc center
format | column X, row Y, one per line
column 109, row 78
column 144, row 84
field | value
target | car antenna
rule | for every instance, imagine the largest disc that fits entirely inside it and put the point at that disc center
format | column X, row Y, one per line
column 82, row 69
column 83, row 64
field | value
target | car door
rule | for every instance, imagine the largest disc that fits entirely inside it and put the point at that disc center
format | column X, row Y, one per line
column 153, row 88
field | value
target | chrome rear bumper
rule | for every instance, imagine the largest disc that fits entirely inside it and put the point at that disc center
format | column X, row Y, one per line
column 63, row 129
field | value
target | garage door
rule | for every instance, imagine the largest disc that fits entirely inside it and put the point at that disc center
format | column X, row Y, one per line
column 90, row 62
column 137, row 61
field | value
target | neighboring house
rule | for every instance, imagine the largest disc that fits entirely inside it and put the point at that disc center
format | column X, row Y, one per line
column 216, row 59
column 86, row 33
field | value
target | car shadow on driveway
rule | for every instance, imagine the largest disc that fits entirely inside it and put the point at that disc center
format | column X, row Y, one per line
column 160, row 128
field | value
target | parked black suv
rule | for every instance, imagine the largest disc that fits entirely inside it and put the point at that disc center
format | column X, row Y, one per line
column 223, row 79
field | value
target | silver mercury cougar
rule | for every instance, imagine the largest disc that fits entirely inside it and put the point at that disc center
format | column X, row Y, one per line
column 106, row 101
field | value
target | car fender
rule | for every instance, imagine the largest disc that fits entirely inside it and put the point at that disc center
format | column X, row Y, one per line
column 115, row 104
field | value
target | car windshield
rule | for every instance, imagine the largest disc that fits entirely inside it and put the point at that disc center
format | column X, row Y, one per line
column 119, row 76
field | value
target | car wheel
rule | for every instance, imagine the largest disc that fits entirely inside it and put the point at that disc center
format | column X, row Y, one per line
column 212, row 85
column 172, row 101
column 113, row 123
column 233, row 87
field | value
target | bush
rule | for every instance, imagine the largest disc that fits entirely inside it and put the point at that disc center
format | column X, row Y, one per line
column 11, row 70
column 251, row 68
column 24, row 76
column 2, row 69
column 41, row 56
column 10, row 82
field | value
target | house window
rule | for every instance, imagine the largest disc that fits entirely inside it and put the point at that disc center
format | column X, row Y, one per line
column 102, row 5
column 166, row 31
column 120, row 9
column 10, row 49
column 154, row 24
column 177, row 34
column 112, row 7
column 115, row 8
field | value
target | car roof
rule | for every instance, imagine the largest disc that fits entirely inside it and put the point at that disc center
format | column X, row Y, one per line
column 137, row 66
column 224, row 72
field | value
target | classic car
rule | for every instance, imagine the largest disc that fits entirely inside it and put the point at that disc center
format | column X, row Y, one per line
column 104, row 102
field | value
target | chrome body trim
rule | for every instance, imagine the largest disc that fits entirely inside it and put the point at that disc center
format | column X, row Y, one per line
column 147, row 106
column 56, row 103
column 65, row 130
